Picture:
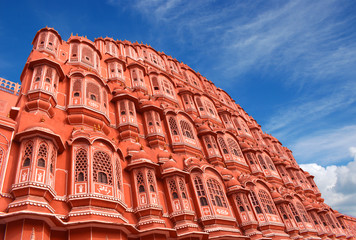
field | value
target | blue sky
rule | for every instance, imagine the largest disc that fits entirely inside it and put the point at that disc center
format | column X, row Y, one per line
column 289, row 64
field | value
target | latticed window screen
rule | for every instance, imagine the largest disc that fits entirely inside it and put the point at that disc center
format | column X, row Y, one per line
column 93, row 92
column 270, row 163
column 42, row 155
column 48, row 75
column 199, row 187
column 182, row 188
column 223, row 145
column 149, row 118
column 42, row 39
column 200, row 104
column 240, row 203
column 38, row 74
column 27, row 156
column 255, row 202
column 283, row 212
column 77, row 88
column 302, row 212
column 316, row 222
column 173, row 188
column 186, row 129
column 173, row 126
column 262, row 162
column 151, row 181
column 267, row 202
column 294, row 212
column 216, row 193
column 331, row 222
column 234, row 148
column 246, row 202
column 88, row 56
column 102, row 164
column 105, row 98
column 81, row 165
column 140, row 182
column 118, row 173
column 155, row 83
column 74, row 51
column 249, row 158
column 207, row 141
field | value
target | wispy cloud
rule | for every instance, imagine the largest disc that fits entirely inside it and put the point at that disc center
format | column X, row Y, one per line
column 326, row 147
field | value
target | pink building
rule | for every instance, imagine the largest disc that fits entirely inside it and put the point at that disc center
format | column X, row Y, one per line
column 114, row 140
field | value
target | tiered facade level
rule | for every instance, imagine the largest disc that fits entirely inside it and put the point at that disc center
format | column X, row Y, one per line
column 114, row 140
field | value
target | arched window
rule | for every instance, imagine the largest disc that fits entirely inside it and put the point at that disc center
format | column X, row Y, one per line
column 81, row 165
column 42, row 155
column 151, row 181
column 140, row 182
column 283, row 212
column 93, row 92
column 262, row 162
column 173, row 126
column 234, row 148
column 186, row 129
column 294, row 212
column 200, row 104
column 240, row 203
column 270, row 163
column 302, row 212
column 27, row 156
column 255, row 202
column 102, row 177
column 267, row 202
column 102, row 167
column 216, row 193
column 223, row 145
column 173, row 188
column 155, row 84
column 41, row 162
column 77, row 88
column 182, row 188
column 88, row 56
column 199, row 187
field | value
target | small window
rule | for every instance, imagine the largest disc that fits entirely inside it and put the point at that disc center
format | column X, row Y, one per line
column 76, row 94
column 175, row 195
column 141, row 189
column 48, row 80
column 27, row 162
column 150, row 123
column 184, row 196
column 41, row 162
column 218, row 201
column 241, row 209
column 225, row 151
column 37, row 79
column 102, row 177
column 93, row 97
column 209, row 145
column 51, row 168
column 123, row 113
column 152, row 189
column 258, row 210
column 80, row 177
column 203, row 201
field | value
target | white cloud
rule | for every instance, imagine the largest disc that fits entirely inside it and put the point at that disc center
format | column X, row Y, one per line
column 337, row 184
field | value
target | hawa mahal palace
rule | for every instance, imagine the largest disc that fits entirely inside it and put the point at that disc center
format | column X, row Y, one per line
column 114, row 140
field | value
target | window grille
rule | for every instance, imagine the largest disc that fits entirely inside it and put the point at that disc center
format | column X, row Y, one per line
column 186, row 129
column 294, row 212
column 42, row 155
column 234, row 148
column 173, row 188
column 93, row 90
column 150, row 180
column 262, row 162
column 27, row 156
column 255, row 202
column 182, row 188
column 223, row 145
column 216, row 193
column 118, row 173
column 173, row 126
column 266, row 201
column 102, row 164
column 140, row 182
column 81, row 165
column 77, row 87
column 200, row 191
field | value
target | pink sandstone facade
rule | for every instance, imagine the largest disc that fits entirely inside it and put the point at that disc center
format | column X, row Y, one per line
column 114, row 140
